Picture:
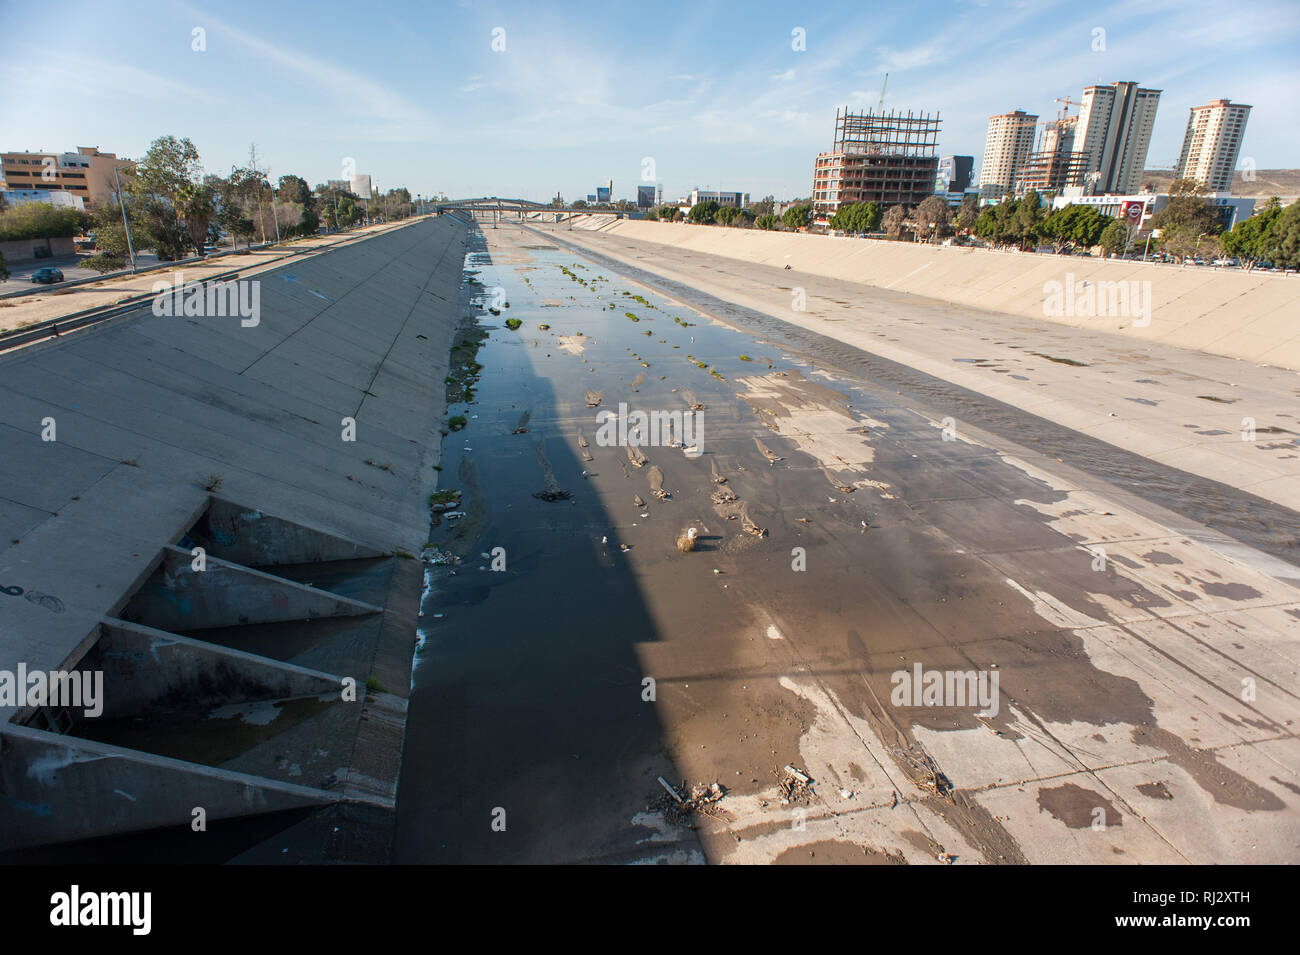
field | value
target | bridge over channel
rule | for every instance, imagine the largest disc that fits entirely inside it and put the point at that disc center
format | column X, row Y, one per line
column 493, row 209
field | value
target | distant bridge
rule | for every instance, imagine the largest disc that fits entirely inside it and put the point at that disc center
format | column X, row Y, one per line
column 494, row 209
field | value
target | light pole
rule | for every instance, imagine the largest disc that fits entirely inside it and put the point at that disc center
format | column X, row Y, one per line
column 275, row 216
column 121, row 204
column 1197, row 254
column 1153, row 234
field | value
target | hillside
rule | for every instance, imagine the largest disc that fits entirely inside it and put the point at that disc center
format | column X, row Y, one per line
column 1283, row 183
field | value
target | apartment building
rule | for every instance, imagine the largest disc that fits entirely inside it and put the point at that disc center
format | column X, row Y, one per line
column 86, row 173
column 1212, row 143
column 1113, row 135
column 1007, row 148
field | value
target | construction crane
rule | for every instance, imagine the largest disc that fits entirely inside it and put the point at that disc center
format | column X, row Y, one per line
column 1064, row 114
column 881, row 104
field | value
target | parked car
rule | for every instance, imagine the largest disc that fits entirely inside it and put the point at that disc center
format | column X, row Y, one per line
column 47, row 276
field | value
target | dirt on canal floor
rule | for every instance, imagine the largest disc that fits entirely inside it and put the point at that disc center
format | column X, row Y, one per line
column 704, row 598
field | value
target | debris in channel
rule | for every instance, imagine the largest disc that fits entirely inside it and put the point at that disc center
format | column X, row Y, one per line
column 636, row 458
column 594, row 398
column 522, row 426
column 582, row 443
column 724, row 495
column 636, row 499
column 686, row 540
column 748, row 525
column 718, row 477
column 772, row 456
column 657, row 483
column 679, row 804
column 795, row 787
column 552, row 490
column 638, row 381
column 695, row 403
column 837, row 483
column 439, row 558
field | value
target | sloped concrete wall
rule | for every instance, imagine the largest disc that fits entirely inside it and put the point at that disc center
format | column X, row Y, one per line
column 1249, row 315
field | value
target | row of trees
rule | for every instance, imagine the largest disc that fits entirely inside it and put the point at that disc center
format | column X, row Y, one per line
column 174, row 208
column 1271, row 235
column 759, row 215
column 1028, row 222
column 1189, row 225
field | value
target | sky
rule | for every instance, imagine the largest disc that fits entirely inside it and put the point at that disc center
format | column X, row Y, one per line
column 527, row 99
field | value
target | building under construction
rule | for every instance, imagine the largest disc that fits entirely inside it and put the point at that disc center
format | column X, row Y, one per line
column 884, row 157
column 1056, row 163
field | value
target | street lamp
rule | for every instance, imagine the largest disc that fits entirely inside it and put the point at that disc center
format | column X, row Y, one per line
column 1153, row 234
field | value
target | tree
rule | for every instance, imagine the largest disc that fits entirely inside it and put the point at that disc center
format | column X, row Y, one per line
column 38, row 220
column 1027, row 220
column 857, row 217
column 1271, row 235
column 669, row 213
column 652, row 214
column 765, row 222
column 967, row 213
column 1075, row 225
column 169, row 163
column 4, row 269
column 726, row 215
column 196, row 205
column 797, row 217
column 702, row 213
column 1187, row 220
column 894, row 220
column 764, row 207
column 1114, row 237
column 932, row 218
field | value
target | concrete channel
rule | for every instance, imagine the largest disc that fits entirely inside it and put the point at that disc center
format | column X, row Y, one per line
column 532, row 690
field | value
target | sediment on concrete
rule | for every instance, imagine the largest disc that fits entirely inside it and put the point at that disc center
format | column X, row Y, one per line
column 296, row 456
column 1238, row 314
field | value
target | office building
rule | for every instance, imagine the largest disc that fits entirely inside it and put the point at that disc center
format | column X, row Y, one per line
column 87, row 173
column 737, row 199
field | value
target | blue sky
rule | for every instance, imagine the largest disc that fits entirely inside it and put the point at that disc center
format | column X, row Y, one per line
column 712, row 91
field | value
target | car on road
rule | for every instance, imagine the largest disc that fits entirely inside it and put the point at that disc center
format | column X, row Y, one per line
column 47, row 276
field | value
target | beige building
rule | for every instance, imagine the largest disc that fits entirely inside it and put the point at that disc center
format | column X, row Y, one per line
column 1006, row 150
column 1212, row 143
column 1113, row 135
column 87, row 173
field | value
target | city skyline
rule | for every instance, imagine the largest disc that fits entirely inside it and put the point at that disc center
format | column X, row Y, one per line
column 717, row 98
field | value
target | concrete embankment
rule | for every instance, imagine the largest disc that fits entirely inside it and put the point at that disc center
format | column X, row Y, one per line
column 221, row 516
column 1249, row 315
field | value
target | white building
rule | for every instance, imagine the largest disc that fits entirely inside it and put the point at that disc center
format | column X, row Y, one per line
column 59, row 198
column 1137, row 208
column 737, row 199
column 1212, row 143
